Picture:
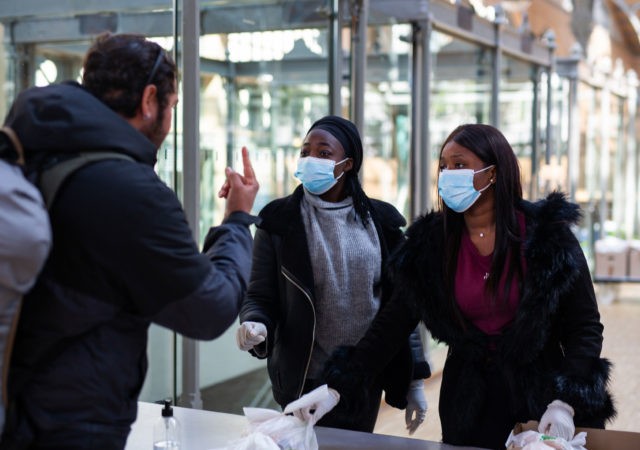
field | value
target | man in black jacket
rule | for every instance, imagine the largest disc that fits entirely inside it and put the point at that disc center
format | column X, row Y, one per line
column 123, row 254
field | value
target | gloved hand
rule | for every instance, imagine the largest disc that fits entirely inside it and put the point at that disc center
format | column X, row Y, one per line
column 558, row 421
column 416, row 406
column 314, row 412
column 250, row 334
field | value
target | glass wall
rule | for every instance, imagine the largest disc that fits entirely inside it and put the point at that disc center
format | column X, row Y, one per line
column 606, row 162
column 261, row 89
column 590, row 143
column 519, row 114
column 386, row 136
column 618, row 141
column 274, row 84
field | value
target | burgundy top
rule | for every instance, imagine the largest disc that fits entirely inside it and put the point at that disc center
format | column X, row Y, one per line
column 473, row 269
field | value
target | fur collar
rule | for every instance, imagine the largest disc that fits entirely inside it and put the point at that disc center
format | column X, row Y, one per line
column 553, row 257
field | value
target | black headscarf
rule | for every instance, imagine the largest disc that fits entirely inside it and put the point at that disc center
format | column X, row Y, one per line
column 347, row 134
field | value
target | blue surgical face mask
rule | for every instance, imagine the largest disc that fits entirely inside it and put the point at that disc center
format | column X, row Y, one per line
column 316, row 174
column 456, row 188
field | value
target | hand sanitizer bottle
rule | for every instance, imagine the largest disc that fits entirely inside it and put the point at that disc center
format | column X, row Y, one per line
column 166, row 431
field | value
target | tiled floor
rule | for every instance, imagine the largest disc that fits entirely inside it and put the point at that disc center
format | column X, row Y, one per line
column 621, row 320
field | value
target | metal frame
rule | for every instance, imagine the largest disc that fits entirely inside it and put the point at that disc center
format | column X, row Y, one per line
column 190, row 69
column 335, row 57
column 568, row 68
column 420, row 179
column 360, row 21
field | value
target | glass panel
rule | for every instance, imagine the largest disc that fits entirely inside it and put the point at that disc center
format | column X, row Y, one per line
column 591, row 115
column 605, row 161
column 461, row 90
column 517, row 95
column 7, row 78
column 632, row 163
column 561, row 141
column 386, row 136
column 561, row 132
column 603, row 133
column 587, row 102
column 279, row 88
column 617, row 149
column 261, row 88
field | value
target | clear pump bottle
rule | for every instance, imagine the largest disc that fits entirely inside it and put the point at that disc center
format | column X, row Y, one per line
column 166, row 431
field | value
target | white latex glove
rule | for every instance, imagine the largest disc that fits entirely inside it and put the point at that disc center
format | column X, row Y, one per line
column 250, row 334
column 557, row 421
column 314, row 412
column 416, row 406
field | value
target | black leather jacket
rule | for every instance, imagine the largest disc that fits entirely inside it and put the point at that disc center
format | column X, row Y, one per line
column 281, row 296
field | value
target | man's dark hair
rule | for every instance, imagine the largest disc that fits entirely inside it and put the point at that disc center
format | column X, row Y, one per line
column 118, row 67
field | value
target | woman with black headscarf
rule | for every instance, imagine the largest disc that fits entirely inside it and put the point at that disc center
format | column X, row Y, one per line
column 317, row 281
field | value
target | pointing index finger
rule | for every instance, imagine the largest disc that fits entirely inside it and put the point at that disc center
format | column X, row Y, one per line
column 246, row 162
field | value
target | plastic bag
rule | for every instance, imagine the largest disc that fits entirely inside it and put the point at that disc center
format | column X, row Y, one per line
column 254, row 441
column 273, row 430
column 288, row 432
column 532, row 440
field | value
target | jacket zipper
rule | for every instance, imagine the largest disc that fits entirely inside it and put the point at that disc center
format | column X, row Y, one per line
column 292, row 280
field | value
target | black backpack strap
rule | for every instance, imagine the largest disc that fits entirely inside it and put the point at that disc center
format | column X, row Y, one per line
column 52, row 178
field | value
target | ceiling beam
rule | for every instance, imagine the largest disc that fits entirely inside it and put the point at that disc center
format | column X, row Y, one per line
column 11, row 10
column 83, row 28
column 38, row 22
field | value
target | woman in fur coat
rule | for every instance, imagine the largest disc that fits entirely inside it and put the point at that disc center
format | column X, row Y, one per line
column 504, row 283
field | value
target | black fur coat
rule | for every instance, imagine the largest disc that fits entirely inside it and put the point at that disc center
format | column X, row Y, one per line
column 550, row 351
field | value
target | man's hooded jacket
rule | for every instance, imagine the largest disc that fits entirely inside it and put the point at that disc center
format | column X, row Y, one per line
column 123, row 257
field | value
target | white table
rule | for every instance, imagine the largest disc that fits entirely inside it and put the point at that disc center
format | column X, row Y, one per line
column 204, row 430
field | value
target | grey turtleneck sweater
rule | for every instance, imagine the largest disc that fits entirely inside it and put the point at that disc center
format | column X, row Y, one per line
column 346, row 264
